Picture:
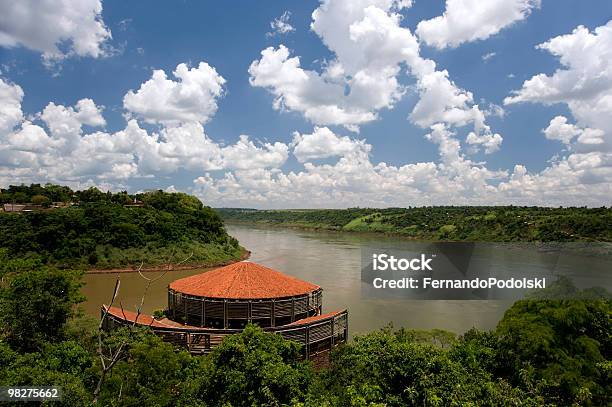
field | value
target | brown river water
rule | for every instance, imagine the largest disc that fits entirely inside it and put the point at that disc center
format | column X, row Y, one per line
column 333, row 261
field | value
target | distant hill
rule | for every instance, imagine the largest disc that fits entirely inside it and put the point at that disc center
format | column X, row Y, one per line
column 464, row 223
column 104, row 230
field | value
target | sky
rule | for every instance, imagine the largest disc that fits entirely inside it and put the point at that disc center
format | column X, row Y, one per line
column 307, row 104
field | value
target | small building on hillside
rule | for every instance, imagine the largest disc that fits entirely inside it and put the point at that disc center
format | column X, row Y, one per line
column 12, row 207
column 204, row 308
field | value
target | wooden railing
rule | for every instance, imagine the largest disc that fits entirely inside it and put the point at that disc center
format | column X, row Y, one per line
column 202, row 311
column 315, row 337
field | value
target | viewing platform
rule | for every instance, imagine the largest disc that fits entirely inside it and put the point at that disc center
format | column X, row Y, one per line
column 204, row 308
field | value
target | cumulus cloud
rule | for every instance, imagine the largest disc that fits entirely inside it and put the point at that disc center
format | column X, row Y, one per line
column 59, row 150
column 470, row 20
column 371, row 48
column 65, row 123
column 354, row 179
column 281, row 25
column 11, row 96
column 488, row 141
column 246, row 155
column 361, row 79
column 559, row 129
column 369, row 45
column 192, row 97
column 55, row 28
column 323, row 143
column 584, row 82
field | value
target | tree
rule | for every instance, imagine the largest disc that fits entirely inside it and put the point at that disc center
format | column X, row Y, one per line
column 405, row 368
column 41, row 200
column 254, row 368
column 153, row 373
column 35, row 305
column 559, row 347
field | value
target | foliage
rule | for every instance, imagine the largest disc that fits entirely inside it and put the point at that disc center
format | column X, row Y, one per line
column 558, row 346
column 153, row 374
column 105, row 230
column 255, row 368
column 454, row 223
column 543, row 352
column 390, row 369
column 34, row 306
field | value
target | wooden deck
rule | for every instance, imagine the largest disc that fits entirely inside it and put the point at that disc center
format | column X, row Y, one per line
column 316, row 334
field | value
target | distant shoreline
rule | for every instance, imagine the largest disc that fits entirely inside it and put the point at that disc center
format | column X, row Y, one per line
column 435, row 224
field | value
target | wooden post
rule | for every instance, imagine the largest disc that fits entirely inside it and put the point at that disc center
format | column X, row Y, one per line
column 225, row 314
column 307, row 341
column 185, row 308
column 273, row 317
column 202, row 312
column 346, row 327
column 292, row 309
column 173, row 305
column 332, row 331
column 249, row 311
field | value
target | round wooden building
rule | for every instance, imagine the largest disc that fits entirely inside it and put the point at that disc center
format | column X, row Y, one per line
column 204, row 308
column 243, row 292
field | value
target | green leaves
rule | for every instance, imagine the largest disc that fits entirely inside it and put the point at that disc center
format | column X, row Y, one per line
column 35, row 305
column 109, row 231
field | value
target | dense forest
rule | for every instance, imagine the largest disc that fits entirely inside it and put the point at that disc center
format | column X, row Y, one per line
column 543, row 352
column 93, row 229
column 465, row 223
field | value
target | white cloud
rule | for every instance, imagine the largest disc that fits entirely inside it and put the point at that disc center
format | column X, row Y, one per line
column 354, row 179
column 192, row 97
column 294, row 88
column 245, row 155
column 584, row 82
column 281, row 25
column 559, row 129
column 490, row 142
column 55, row 28
column 61, row 152
column 470, row 20
column 370, row 49
column 369, row 46
column 65, row 123
column 11, row 96
column 323, row 143
column 488, row 56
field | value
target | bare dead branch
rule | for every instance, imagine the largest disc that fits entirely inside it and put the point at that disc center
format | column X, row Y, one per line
column 115, row 355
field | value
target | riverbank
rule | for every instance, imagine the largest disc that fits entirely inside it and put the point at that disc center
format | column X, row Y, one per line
column 443, row 223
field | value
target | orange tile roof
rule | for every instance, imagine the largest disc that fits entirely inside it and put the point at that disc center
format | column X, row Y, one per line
column 243, row 280
column 143, row 319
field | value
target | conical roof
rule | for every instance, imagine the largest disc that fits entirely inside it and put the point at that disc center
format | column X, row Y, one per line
column 243, row 280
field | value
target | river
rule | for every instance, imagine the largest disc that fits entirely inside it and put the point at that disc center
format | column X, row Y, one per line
column 331, row 260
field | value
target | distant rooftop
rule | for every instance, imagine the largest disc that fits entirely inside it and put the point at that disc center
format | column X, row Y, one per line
column 243, row 280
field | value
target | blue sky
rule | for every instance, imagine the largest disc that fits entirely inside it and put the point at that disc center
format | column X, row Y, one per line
column 334, row 160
